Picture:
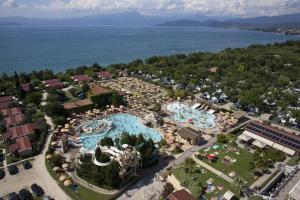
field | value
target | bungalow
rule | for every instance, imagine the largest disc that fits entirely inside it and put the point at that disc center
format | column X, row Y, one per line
column 5, row 101
column 22, row 147
column 14, row 120
column 180, row 195
column 11, row 111
column 20, row 131
column 104, row 75
column 26, row 87
column 53, row 83
column 81, row 78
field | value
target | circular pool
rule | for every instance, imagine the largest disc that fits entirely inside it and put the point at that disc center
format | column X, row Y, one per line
column 184, row 114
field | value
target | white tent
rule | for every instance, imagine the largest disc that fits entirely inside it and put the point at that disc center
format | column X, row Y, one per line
column 228, row 195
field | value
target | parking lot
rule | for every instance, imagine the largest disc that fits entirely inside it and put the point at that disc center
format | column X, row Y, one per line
column 25, row 178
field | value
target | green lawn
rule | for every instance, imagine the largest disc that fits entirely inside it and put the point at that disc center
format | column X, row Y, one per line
column 192, row 177
column 83, row 193
column 241, row 166
column 70, row 96
column 293, row 161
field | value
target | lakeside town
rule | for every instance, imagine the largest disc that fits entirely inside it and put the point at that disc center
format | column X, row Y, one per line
column 117, row 133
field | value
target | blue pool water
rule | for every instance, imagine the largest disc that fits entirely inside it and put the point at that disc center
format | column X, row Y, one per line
column 183, row 113
column 121, row 123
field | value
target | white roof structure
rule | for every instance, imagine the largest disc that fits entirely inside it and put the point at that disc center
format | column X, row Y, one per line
column 258, row 139
column 228, row 195
column 259, row 144
column 244, row 137
column 295, row 192
column 196, row 105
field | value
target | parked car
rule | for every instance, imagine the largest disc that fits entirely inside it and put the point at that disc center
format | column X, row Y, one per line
column 25, row 194
column 37, row 190
column 13, row 169
column 13, row 196
column 2, row 174
column 27, row 164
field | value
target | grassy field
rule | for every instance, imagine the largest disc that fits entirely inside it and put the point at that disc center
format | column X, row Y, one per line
column 195, row 175
column 70, row 96
column 241, row 166
column 83, row 193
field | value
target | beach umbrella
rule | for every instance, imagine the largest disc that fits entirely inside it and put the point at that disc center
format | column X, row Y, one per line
column 48, row 156
column 65, row 165
column 67, row 182
column 62, row 178
column 55, row 169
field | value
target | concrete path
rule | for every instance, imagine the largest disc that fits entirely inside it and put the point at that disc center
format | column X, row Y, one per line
column 213, row 170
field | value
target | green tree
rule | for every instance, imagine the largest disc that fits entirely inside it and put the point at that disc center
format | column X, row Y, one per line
column 34, row 97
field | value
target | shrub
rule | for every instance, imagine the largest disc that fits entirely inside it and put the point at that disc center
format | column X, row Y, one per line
column 221, row 138
column 177, row 150
column 104, row 158
column 107, row 141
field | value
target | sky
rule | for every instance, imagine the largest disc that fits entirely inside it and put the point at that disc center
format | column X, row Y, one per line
column 74, row 8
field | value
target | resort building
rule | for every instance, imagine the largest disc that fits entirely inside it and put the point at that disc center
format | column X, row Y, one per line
column 22, row 147
column 262, row 135
column 5, row 101
column 20, row 131
column 180, row 195
column 192, row 136
column 82, row 78
column 79, row 105
column 11, row 111
column 104, row 75
column 26, row 87
column 14, row 120
column 53, row 83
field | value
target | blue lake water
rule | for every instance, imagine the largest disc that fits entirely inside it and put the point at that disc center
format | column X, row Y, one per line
column 27, row 48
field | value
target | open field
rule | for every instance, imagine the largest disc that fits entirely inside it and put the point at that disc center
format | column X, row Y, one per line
column 194, row 176
column 239, row 160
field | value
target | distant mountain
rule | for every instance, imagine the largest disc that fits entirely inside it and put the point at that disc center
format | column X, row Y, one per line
column 279, row 23
column 124, row 18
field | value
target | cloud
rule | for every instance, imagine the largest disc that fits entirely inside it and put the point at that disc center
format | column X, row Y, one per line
column 207, row 7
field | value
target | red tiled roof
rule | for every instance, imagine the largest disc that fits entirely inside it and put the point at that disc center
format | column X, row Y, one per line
column 104, row 74
column 13, row 148
column 96, row 89
column 180, row 195
column 51, row 80
column 4, row 104
column 54, row 83
column 6, row 99
column 24, row 143
column 22, row 130
column 81, row 78
column 26, row 87
column 11, row 111
column 14, row 119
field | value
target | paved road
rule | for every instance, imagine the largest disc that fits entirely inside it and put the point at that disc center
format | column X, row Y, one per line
column 149, row 182
column 284, row 193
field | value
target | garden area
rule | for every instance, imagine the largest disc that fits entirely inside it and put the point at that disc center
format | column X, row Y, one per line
column 201, row 182
column 231, row 160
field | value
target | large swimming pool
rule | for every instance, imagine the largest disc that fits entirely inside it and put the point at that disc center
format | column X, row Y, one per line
column 184, row 114
column 120, row 123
